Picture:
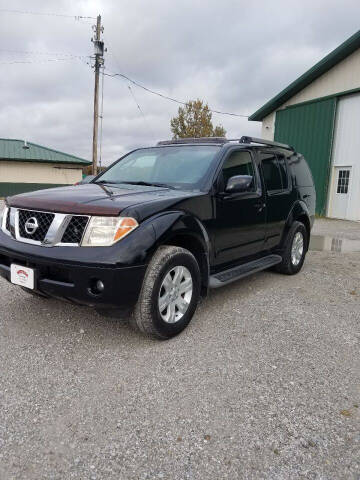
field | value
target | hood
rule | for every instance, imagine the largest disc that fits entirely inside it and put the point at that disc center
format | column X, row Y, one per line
column 94, row 199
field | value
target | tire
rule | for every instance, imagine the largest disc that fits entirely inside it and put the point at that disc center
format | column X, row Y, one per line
column 167, row 276
column 291, row 264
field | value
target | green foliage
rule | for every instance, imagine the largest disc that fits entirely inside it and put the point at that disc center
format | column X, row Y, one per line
column 194, row 121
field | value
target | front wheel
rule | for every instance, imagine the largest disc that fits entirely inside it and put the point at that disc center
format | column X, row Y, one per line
column 170, row 293
column 294, row 250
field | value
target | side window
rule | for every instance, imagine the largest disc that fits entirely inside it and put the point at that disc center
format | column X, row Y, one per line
column 343, row 181
column 283, row 171
column 238, row 163
column 271, row 171
column 300, row 171
column 275, row 172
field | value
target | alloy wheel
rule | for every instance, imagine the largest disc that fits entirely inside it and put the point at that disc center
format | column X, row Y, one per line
column 175, row 294
column 297, row 249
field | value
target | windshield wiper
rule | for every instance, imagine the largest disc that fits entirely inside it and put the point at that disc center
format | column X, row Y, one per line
column 106, row 182
column 150, row 184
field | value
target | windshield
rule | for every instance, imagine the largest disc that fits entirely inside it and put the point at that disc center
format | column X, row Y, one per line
column 182, row 166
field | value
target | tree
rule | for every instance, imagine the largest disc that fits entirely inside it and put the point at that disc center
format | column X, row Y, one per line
column 194, row 120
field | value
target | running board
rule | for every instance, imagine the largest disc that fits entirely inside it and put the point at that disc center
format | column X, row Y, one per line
column 227, row 276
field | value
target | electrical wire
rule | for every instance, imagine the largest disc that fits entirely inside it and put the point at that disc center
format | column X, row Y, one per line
column 125, row 77
column 26, row 12
column 140, row 110
column 29, row 52
column 39, row 61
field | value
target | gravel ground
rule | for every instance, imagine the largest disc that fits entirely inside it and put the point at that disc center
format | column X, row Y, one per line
column 264, row 384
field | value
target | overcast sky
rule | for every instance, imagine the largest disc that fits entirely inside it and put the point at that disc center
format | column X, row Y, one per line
column 235, row 55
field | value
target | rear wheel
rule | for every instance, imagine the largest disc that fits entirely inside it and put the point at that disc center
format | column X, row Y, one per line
column 295, row 249
column 170, row 293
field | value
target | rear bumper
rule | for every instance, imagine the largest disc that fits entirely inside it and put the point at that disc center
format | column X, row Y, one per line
column 71, row 280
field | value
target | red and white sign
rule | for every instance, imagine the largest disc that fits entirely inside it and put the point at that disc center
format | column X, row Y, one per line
column 23, row 276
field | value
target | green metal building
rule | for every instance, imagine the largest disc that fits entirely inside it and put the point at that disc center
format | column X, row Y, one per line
column 26, row 166
column 319, row 114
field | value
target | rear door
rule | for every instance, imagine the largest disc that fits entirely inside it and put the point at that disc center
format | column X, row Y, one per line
column 277, row 183
column 239, row 224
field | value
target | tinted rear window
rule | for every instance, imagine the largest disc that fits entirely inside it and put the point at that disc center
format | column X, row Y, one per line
column 300, row 171
column 283, row 171
column 272, row 175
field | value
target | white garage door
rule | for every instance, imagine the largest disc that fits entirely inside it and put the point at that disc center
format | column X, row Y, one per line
column 344, row 200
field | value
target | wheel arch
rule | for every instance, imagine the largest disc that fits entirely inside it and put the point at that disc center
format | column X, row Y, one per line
column 298, row 213
column 186, row 231
column 304, row 219
column 192, row 243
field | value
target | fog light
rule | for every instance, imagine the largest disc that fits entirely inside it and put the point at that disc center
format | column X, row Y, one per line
column 96, row 286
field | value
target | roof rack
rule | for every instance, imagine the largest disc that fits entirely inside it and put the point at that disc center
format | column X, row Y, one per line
column 180, row 141
column 223, row 140
column 261, row 141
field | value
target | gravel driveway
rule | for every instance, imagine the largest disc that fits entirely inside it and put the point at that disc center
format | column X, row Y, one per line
column 264, row 384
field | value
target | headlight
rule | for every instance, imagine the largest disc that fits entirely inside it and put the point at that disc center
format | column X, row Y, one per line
column 105, row 231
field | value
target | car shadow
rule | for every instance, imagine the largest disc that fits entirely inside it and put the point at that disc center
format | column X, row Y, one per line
column 48, row 316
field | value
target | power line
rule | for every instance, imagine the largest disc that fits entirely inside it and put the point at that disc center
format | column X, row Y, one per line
column 39, row 61
column 140, row 110
column 30, row 52
column 122, row 75
column 26, row 12
column 135, row 100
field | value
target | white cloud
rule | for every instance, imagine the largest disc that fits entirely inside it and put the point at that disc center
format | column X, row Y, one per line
column 233, row 54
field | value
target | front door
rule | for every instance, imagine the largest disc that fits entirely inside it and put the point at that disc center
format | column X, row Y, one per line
column 240, row 218
column 340, row 192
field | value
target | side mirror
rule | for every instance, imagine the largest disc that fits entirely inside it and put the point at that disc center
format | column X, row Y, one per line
column 86, row 180
column 239, row 183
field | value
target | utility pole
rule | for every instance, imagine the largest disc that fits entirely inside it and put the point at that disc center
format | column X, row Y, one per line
column 99, row 61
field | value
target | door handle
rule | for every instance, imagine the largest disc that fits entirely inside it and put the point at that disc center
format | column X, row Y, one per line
column 260, row 206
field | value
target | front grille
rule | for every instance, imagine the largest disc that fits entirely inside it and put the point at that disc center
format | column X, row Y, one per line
column 7, row 224
column 45, row 228
column 75, row 230
column 44, row 221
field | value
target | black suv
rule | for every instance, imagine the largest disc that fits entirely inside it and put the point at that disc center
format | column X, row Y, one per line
column 161, row 226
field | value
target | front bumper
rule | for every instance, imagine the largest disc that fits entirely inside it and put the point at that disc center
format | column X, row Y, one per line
column 66, row 273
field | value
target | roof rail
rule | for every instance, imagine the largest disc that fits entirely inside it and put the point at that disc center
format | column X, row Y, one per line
column 222, row 140
column 261, row 141
column 180, row 141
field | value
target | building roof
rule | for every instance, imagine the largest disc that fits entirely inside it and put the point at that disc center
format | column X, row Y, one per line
column 19, row 151
column 334, row 57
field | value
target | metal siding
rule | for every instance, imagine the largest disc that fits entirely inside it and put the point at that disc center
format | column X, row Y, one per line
column 309, row 129
column 14, row 150
column 345, row 152
column 7, row 189
column 34, row 172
